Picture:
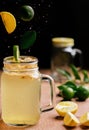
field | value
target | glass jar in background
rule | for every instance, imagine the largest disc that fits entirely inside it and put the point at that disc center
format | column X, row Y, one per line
column 63, row 54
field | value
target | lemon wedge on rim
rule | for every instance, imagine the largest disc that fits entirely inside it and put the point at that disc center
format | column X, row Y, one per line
column 71, row 120
column 66, row 106
column 9, row 21
column 84, row 119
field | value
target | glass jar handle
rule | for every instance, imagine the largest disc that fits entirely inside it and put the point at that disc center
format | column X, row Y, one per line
column 78, row 55
column 52, row 93
column 77, row 51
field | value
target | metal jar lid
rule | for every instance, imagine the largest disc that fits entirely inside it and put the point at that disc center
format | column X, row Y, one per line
column 62, row 41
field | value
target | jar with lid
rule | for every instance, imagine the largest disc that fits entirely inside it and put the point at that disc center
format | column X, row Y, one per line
column 63, row 54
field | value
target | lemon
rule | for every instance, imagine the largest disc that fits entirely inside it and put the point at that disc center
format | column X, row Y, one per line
column 84, row 119
column 66, row 106
column 70, row 120
column 9, row 21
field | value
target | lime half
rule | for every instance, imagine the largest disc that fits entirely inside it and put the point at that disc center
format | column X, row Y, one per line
column 16, row 52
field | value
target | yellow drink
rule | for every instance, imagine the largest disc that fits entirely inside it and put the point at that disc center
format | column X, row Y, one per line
column 20, row 99
column 20, row 92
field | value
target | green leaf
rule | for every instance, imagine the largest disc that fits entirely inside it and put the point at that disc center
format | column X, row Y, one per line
column 61, row 87
column 86, row 78
column 28, row 39
column 64, row 73
column 75, row 71
column 71, row 84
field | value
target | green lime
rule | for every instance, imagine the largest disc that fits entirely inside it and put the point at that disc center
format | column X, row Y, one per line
column 26, row 13
column 62, row 87
column 71, row 84
column 16, row 52
column 68, row 93
column 82, row 93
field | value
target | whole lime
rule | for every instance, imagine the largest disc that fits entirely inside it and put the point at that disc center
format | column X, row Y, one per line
column 72, row 85
column 82, row 93
column 26, row 13
column 68, row 93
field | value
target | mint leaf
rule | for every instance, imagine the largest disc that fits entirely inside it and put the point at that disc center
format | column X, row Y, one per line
column 71, row 85
column 86, row 78
column 64, row 73
column 75, row 71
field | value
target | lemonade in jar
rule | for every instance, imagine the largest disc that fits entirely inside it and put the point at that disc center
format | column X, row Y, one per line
column 21, row 91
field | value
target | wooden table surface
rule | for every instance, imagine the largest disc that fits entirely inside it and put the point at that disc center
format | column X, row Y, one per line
column 50, row 120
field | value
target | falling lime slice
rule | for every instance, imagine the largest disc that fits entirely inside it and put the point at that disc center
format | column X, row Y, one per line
column 26, row 13
column 28, row 39
column 9, row 21
column 16, row 53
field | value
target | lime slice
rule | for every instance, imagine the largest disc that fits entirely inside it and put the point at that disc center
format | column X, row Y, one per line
column 16, row 53
column 28, row 39
column 9, row 21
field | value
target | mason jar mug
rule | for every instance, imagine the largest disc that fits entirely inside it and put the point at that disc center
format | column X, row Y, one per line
column 21, row 91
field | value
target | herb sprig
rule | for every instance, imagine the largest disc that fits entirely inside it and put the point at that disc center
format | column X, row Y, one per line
column 75, row 73
column 71, row 89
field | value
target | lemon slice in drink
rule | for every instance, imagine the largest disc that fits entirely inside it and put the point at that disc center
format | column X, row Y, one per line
column 16, row 53
column 66, row 106
column 9, row 21
column 70, row 120
column 84, row 119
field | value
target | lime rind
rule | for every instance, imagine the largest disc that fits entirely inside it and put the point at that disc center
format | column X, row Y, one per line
column 16, row 53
